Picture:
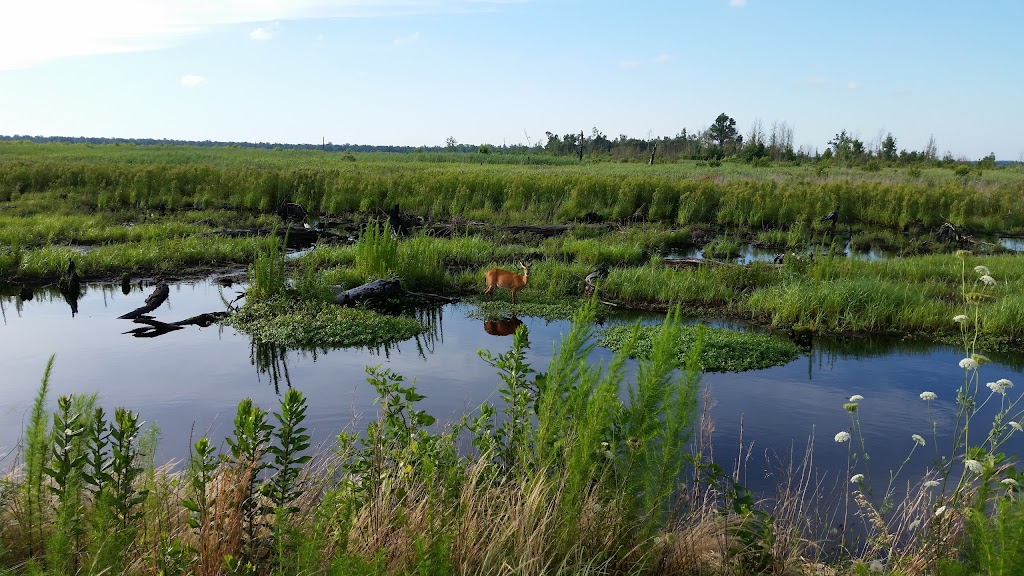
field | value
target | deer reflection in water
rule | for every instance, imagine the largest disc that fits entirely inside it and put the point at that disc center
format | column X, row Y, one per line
column 502, row 327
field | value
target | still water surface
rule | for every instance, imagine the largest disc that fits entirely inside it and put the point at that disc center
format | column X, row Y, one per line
column 189, row 381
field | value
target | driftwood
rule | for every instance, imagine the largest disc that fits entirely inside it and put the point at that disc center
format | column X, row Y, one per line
column 298, row 237
column 153, row 301
column 693, row 262
column 154, row 327
column 375, row 289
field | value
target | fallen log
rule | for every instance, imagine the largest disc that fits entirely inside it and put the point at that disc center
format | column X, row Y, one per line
column 692, row 262
column 154, row 327
column 153, row 301
column 375, row 289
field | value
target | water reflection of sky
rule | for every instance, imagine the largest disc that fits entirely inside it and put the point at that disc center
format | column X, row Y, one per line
column 190, row 381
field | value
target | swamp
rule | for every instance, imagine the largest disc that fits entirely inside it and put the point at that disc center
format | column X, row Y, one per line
column 229, row 360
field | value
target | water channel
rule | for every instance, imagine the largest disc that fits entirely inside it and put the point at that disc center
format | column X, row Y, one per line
column 189, row 381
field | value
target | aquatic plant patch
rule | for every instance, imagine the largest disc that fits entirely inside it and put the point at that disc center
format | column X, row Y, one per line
column 554, row 309
column 312, row 324
column 724, row 350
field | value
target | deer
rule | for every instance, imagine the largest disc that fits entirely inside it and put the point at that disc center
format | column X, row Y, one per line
column 496, row 277
column 502, row 327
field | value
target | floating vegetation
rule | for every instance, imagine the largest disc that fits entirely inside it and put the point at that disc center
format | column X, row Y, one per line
column 313, row 324
column 724, row 350
column 559, row 309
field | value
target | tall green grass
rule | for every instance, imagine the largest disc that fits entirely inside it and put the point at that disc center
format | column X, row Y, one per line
column 118, row 178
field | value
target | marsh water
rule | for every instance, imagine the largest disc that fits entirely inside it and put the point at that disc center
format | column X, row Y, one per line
column 189, row 381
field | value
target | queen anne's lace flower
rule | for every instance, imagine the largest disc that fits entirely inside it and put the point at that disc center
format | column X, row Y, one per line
column 1009, row 482
column 843, row 436
column 959, row 318
column 918, row 438
column 974, row 466
column 926, row 395
column 856, row 479
column 940, row 511
column 915, row 525
column 931, row 484
column 969, row 364
column 981, row 269
column 1004, row 383
column 1016, row 426
column 987, row 280
column 856, row 398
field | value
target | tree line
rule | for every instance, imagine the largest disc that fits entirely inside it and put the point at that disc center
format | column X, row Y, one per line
column 761, row 145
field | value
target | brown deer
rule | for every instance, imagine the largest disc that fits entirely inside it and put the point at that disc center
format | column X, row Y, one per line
column 496, row 277
column 502, row 327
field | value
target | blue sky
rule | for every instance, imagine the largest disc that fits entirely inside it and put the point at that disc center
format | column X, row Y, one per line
column 415, row 72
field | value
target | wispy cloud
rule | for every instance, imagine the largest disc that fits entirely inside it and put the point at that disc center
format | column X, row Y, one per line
column 406, row 40
column 265, row 33
column 817, row 81
column 852, row 85
column 39, row 31
column 192, row 80
column 631, row 64
column 661, row 58
column 737, row 3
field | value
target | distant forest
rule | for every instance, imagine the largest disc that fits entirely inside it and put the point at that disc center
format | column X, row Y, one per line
column 761, row 145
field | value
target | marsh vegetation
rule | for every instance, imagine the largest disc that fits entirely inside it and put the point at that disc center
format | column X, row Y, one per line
column 577, row 470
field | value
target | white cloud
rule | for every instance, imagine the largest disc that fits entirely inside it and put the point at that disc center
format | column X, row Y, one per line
column 33, row 32
column 192, row 80
column 737, row 3
column 264, row 33
column 631, row 64
column 661, row 58
column 817, row 81
column 852, row 85
column 406, row 40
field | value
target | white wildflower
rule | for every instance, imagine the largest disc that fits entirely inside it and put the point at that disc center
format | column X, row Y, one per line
column 856, row 398
column 1004, row 383
column 959, row 318
column 987, row 280
column 931, row 484
column 843, row 436
column 68, row 432
column 940, row 511
column 974, row 466
column 914, row 525
column 926, row 395
column 969, row 363
column 981, row 270
column 856, row 479
column 1010, row 482
column 996, row 388
column 1016, row 426
column 918, row 438
column 876, row 566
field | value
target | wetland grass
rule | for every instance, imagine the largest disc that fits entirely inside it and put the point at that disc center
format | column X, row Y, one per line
column 722, row 350
column 111, row 178
column 311, row 324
